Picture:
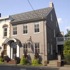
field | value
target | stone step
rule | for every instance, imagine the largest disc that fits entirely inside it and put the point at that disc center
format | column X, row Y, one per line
column 52, row 63
column 12, row 62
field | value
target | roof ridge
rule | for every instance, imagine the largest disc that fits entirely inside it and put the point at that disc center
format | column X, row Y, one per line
column 31, row 11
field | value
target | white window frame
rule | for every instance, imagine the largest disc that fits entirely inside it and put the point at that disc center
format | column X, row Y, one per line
column 5, row 31
column 14, row 30
column 38, row 47
column 36, row 26
column 26, row 29
column 25, row 47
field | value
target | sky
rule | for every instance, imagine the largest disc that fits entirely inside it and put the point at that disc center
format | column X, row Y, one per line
column 62, row 9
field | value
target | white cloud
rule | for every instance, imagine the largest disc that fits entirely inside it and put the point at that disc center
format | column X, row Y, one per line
column 68, row 27
column 59, row 20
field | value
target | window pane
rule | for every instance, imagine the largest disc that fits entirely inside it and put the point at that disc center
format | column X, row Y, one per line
column 5, row 31
column 37, row 49
column 36, row 27
column 25, row 48
column 14, row 30
column 25, row 29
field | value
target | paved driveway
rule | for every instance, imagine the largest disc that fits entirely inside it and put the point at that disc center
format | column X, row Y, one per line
column 15, row 67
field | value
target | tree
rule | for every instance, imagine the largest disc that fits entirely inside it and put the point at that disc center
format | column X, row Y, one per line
column 66, row 51
column 68, row 33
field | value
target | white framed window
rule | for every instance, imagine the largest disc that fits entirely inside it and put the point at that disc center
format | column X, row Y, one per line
column 5, row 31
column 25, row 50
column 25, row 29
column 36, row 27
column 37, row 48
column 14, row 30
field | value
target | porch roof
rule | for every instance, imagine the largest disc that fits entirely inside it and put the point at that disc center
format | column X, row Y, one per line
column 9, row 39
column 12, row 39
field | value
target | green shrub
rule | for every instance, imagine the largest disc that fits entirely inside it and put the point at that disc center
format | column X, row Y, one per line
column 1, row 60
column 35, row 62
column 67, row 58
column 66, row 51
column 23, row 61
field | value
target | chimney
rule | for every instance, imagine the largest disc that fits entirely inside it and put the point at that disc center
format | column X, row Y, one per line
column 51, row 4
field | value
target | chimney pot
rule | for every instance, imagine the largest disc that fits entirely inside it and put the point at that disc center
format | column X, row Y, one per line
column 51, row 4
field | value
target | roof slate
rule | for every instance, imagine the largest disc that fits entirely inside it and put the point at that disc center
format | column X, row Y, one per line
column 31, row 15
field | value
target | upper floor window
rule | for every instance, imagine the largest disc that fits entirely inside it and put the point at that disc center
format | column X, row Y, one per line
column 36, row 27
column 14, row 30
column 5, row 31
column 5, row 26
column 25, row 29
column 37, row 48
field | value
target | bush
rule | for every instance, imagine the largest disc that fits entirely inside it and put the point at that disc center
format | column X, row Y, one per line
column 66, row 51
column 6, row 58
column 23, row 61
column 17, row 60
column 67, row 58
column 35, row 62
column 1, row 60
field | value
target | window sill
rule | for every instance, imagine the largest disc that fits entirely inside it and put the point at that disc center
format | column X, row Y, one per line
column 14, row 35
column 25, row 34
column 36, row 32
column 5, row 37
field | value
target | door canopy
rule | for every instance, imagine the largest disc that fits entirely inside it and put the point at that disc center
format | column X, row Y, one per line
column 12, row 39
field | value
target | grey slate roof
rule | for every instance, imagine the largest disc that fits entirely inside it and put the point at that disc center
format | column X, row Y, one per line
column 31, row 15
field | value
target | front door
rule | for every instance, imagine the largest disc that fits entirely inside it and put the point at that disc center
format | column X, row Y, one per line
column 14, row 53
column 14, row 49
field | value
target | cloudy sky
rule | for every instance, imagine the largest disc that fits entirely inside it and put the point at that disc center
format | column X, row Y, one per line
column 62, row 8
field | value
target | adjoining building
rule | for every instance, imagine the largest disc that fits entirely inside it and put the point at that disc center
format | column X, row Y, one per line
column 4, row 32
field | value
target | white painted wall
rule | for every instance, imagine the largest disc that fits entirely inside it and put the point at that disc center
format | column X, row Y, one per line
column 8, row 51
column 18, row 51
column 3, row 21
column 11, row 53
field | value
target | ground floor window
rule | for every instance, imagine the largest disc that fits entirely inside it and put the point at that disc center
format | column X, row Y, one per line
column 37, row 48
column 25, row 50
column 5, row 49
